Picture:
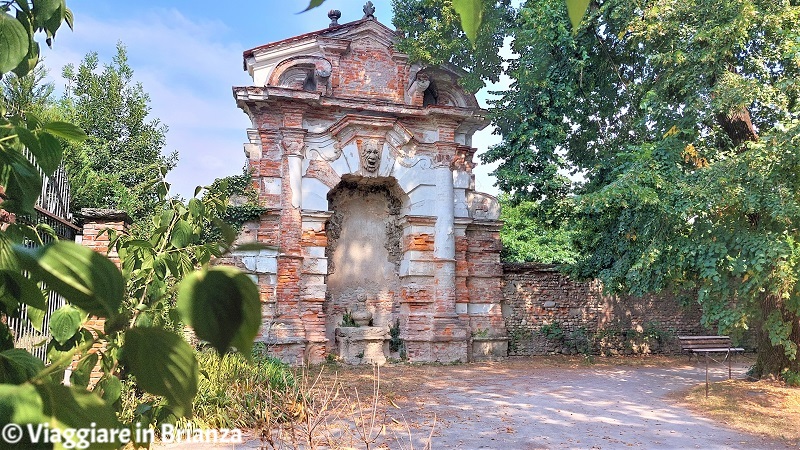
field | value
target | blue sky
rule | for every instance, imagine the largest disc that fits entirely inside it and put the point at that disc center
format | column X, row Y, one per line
column 188, row 55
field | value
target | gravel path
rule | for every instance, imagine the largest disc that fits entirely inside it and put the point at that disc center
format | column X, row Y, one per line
column 518, row 405
column 606, row 408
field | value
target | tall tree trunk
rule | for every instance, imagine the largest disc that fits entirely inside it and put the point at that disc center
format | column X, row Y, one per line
column 772, row 359
column 738, row 126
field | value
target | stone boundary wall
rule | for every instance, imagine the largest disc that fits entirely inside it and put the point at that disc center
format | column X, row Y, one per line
column 547, row 312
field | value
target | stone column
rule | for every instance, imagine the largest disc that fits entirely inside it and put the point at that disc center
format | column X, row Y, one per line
column 444, row 245
column 450, row 335
column 288, row 329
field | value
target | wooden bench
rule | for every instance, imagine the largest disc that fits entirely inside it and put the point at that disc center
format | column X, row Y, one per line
column 703, row 345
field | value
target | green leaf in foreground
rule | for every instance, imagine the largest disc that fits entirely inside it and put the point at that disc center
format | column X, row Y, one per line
column 14, row 41
column 82, row 374
column 22, row 182
column 78, row 408
column 21, row 404
column 65, row 130
column 181, row 234
column 66, row 321
column 576, row 9
column 43, row 10
column 85, row 278
column 164, row 364
column 222, row 305
column 48, row 154
column 313, row 4
column 16, row 288
column 471, row 13
column 109, row 388
column 18, row 366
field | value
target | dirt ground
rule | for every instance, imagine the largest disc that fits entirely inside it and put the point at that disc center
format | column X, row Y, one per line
column 543, row 403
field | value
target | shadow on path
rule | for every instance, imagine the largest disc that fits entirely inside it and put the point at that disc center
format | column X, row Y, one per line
column 616, row 407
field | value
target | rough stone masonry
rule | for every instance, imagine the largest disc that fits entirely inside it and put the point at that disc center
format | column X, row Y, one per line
column 363, row 162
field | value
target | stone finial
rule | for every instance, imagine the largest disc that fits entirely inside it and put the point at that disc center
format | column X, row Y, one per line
column 369, row 11
column 334, row 15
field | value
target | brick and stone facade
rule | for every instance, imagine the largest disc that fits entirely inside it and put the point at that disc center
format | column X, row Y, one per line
column 363, row 162
column 538, row 295
column 94, row 235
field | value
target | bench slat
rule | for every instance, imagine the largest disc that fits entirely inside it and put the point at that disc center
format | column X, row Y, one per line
column 707, row 344
column 704, row 337
column 714, row 350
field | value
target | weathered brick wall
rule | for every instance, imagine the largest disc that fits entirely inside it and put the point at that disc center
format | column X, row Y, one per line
column 537, row 296
column 95, row 237
column 6, row 217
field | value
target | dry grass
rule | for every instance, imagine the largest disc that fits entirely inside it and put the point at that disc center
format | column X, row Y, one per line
column 324, row 412
column 767, row 407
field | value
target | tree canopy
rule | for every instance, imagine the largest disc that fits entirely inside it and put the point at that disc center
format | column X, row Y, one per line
column 681, row 118
column 537, row 231
column 28, row 93
column 119, row 165
column 433, row 35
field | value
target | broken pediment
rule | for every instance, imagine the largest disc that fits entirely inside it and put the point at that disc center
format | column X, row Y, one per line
column 333, row 43
column 308, row 73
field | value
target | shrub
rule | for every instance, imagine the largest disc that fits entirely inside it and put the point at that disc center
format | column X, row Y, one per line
column 233, row 393
column 552, row 331
column 791, row 378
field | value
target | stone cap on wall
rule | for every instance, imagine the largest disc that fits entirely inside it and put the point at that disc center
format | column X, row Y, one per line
column 509, row 267
column 105, row 215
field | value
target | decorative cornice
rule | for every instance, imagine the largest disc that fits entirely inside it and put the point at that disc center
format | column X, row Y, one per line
column 476, row 118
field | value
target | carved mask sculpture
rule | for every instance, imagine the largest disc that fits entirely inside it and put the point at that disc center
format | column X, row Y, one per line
column 370, row 157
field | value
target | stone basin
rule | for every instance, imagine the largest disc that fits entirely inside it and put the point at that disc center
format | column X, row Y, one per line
column 362, row 345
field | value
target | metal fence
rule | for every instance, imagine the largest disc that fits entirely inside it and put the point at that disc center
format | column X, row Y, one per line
column 52, row 209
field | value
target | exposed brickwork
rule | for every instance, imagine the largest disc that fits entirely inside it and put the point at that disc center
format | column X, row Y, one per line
column 418, row 242
column 266, row 168
column 319, row 131
column 536, row 295
column 368, row 71
column 6, row 217
column 95, row 236
column 312, row 238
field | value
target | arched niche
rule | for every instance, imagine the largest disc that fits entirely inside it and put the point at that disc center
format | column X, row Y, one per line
column 442, row 89
column 308, row 73
column 364, row 251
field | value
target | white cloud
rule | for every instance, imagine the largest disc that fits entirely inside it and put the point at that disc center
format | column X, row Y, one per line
column 188, row 67
column 188, row 73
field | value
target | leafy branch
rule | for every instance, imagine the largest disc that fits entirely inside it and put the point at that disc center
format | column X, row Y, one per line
column 471, row 13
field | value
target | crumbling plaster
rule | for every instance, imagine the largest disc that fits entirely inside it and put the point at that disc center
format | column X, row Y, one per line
column 370, row 200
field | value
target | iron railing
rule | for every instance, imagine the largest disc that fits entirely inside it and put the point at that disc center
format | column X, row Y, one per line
column 52, row 209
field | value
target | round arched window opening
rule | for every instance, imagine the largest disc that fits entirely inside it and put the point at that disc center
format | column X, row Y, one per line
column 431, row 95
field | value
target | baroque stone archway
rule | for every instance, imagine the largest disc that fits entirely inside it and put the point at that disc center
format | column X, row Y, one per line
column 369, row 198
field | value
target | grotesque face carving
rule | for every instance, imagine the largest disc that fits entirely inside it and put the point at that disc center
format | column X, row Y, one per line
column 370, row 156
